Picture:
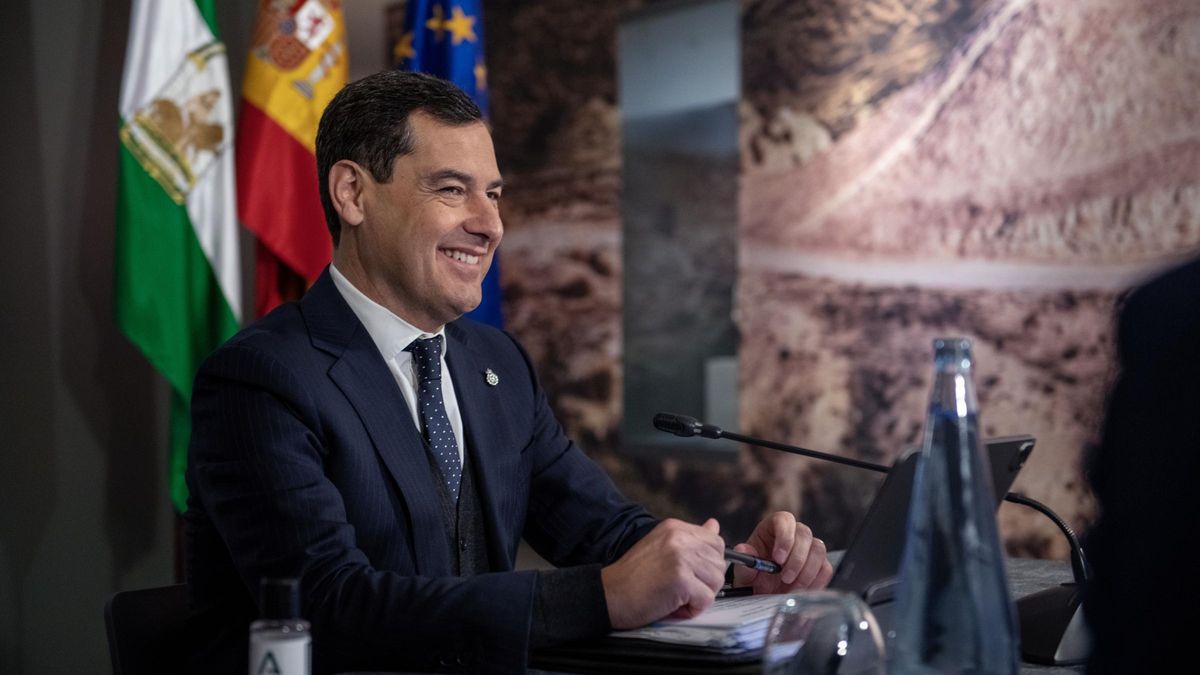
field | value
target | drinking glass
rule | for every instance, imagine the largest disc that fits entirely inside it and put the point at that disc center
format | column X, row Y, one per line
column 823, row 633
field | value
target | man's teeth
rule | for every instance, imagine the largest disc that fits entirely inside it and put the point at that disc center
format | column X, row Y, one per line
column 462, row 257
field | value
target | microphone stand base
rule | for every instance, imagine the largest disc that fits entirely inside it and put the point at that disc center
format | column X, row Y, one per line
column 1053, row 631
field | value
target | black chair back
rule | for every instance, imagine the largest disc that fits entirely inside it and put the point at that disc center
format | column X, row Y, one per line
column 146, row 630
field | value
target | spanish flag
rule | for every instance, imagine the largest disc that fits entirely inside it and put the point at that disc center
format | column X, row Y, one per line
column 297, row 64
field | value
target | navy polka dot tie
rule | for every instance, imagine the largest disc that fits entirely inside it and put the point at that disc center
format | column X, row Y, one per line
column 427, row 357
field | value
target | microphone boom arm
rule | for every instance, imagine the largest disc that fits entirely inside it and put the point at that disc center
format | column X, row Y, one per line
column 805, row 452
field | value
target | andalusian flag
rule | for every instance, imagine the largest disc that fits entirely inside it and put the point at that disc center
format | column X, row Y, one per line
column 297, row 64
column 445, row 38
column 177, row 282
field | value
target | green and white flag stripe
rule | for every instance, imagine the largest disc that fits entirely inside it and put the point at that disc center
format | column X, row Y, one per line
column 178, row 281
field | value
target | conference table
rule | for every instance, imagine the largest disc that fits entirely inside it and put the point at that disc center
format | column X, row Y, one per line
column 1025, row 576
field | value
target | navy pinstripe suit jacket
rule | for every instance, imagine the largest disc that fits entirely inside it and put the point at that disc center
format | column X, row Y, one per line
column 305, row 462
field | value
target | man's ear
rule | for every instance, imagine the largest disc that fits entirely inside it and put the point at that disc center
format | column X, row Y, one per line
column 347, row 184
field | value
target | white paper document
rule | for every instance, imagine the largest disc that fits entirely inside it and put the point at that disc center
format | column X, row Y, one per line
column 731, row 625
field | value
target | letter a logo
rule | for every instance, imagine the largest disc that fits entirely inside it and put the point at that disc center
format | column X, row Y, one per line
column 268, row 661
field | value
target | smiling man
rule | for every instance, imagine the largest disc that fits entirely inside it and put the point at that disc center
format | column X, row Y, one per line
column 391, row 455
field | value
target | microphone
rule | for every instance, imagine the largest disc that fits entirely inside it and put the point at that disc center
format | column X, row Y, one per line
column 1052, row 625
column 682, row 425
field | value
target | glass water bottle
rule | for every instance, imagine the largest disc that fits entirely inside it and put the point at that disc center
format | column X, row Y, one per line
column 953, row 611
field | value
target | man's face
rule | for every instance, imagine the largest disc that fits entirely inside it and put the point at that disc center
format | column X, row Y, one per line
column 428, row 235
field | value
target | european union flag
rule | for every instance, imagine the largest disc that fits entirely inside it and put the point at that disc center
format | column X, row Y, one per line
column 445, row 38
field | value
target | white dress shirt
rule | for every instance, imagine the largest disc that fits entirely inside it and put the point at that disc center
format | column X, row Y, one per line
column 391, row 335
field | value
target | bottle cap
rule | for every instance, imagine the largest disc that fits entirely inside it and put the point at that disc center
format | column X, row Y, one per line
column 279, row 598
column 953, row 353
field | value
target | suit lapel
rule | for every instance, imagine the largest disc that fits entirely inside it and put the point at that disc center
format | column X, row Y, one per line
column 364, row 378
column 481, row 409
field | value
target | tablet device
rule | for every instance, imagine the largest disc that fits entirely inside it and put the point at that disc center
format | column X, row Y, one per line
column 871, row 562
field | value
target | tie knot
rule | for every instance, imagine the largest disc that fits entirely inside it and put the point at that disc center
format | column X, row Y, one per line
column 427, row 357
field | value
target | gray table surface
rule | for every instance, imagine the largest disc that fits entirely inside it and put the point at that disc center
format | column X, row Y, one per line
column 1025, row 576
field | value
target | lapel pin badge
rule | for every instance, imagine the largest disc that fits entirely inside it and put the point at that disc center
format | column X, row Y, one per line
column 491, row 377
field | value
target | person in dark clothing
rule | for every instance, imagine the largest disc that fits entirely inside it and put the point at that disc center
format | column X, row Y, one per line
column 391, row 455
column 1141, row 602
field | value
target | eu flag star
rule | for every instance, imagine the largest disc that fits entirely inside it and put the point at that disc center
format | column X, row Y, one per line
column 461, row 26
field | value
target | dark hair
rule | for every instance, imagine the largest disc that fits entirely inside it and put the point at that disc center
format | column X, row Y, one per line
column 367, row 123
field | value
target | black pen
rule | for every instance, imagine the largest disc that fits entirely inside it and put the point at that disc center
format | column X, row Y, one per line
column 739, row 592
column 753, row 562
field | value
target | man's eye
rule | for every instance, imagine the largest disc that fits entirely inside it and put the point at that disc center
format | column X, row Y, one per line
column 494, row 196
column 452, row 190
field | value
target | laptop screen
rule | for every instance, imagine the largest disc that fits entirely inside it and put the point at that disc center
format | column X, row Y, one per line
column 873, row 557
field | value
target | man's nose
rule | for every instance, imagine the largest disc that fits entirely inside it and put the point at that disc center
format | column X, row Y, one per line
column 485, row 218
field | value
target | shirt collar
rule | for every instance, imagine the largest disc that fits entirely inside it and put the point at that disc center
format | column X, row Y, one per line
column 390, row 333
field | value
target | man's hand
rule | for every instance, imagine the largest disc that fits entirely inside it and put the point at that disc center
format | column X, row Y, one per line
column 791, row 544
column 676, row 569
